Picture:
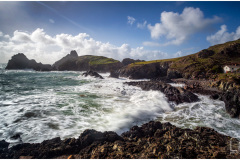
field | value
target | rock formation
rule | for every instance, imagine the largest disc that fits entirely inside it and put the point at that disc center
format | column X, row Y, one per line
column 177, row 95
column 151, row 140
column 152, row 70
column 20, row 61
column 67, row 63
column 93, row 74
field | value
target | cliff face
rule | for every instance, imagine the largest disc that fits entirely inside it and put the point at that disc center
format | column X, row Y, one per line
column 127, row 61
column 151, row 70
column 204, row 64
column 71, row 62
column 97, row 63
column 20, row 61
column 67, row 63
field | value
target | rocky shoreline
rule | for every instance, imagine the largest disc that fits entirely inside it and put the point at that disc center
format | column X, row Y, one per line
column 217, row 90
column 151, row 140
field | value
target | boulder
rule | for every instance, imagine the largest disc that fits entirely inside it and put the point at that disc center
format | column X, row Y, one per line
column 93, row 74
column 177, row 95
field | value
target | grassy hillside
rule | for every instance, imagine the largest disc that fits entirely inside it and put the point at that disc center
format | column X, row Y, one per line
column 204, row 64
column 96, row 60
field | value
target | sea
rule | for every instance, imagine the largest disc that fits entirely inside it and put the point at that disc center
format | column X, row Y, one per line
column 37, row 106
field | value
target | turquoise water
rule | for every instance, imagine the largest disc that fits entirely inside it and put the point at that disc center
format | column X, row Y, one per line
column 45, row 105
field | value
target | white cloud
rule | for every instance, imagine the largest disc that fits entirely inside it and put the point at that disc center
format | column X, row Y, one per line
column 47, row 49
column 19, row 36
column 222, row 36
column 131, row 20
column 142, row 25
column 178, row 54
column 177, row 28
column 51, row 21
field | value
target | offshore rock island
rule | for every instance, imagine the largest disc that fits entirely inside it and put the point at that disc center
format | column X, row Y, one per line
column 203, row 73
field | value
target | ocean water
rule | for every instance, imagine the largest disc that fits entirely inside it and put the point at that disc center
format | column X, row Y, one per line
column 44, row 105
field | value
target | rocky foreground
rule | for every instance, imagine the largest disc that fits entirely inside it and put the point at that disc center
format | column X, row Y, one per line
column 151, row 140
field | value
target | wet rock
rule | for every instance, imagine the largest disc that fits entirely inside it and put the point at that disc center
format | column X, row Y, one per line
column 151, row 140
column 232, row 103
column 177, row 95
column 3, row 144
column 114, row 74
column 16, row 136
column 93, row 74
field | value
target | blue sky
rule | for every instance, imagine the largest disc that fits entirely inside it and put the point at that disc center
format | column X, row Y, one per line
column 46, row 31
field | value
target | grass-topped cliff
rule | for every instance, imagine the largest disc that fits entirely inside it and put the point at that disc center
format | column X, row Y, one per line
column 207, row 63
column 83, row 63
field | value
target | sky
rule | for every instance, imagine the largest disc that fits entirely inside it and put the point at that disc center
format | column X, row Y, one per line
column 47, row 31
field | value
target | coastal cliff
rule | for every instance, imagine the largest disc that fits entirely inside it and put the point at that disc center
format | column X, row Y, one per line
column 71, row 62
column 20, row 61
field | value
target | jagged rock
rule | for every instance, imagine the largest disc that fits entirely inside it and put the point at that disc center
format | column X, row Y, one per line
column 177, row 95
column 20, row 61
column 151, row 140
column 93, row 74
column 69, row 62
column 232, row 102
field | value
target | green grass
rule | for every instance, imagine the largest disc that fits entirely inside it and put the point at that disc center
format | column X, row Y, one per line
column 102, row 60
column 96, row 60
column 219, row 47
column 154, row 61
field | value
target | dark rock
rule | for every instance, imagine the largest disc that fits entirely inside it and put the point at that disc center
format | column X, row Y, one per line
column 151, row 140
column 232, row 103
column 177, row 95
column 205, row 53
column 152, row 70
column 128, row 61
column 93, row 74
column 215, row 96
column 114, row 74
column 162, row 79
column 20, row 61
column 172, row 74
column 69, row 62
column 16, row 136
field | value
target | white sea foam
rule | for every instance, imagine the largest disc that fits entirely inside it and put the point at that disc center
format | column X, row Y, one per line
column 64, row 104
column 177, row 84
column 206, row 112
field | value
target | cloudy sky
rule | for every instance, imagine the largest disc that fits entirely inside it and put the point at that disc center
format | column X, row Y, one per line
column 47, row 31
